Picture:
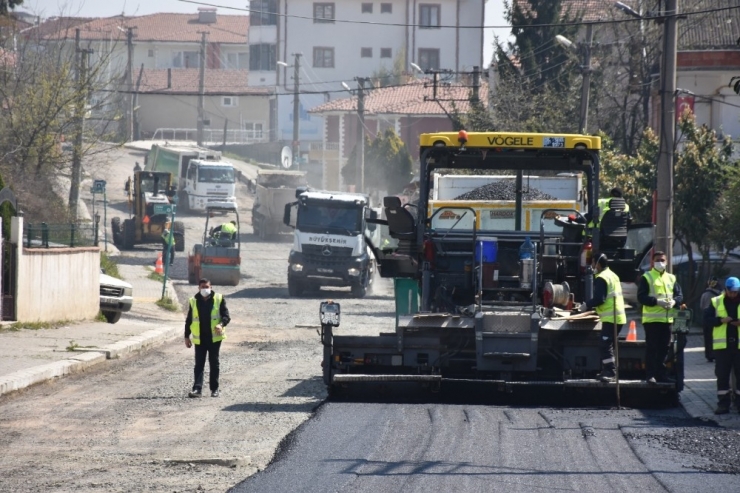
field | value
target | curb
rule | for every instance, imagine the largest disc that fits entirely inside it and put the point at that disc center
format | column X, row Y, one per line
column 85, row 358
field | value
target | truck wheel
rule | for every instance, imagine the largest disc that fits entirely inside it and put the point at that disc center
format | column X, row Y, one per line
column 359, row 290
column 115, row 226
column 295, row 288
column 129, row 234
column 179, row 234
column 112, row 317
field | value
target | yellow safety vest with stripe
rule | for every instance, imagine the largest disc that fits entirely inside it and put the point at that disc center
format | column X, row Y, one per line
column 661, row 287
column 215, row 319
column 719, row 333
column 614, row 303
column 168, row 241
column 604, row 206
column 228, row 228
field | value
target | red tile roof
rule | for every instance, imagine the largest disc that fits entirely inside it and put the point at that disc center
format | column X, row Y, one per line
column 228, row 29
column 185, row 82
column 409, row 99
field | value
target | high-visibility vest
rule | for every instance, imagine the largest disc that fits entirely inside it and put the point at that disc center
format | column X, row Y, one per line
column 228, row 228
column 719, row 333
column 604, row 205
column 661, row 287
column 215, row 319
column 614, row 303
column 167, row 240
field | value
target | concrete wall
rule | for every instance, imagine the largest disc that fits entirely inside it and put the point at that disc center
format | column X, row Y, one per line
column 57, row 283
column 164, row 111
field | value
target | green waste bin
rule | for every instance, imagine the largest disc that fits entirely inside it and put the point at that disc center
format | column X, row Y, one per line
column 406, row 296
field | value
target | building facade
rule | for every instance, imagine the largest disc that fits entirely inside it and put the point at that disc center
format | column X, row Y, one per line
column 339, row 41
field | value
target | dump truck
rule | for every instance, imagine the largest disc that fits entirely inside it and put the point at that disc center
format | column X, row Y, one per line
column 490, row 302
column 330, row 246
column 218, row 256
column 150, row 199
column 274, row 189
column 201, row 177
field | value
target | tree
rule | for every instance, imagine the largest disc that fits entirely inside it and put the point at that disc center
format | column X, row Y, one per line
column 387, row 163
column 41, row 99
column 6, row 5
column 704, row 173
column 635, row 175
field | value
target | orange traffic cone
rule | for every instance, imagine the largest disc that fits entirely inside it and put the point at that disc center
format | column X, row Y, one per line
column 632, row 334
column 158, row 266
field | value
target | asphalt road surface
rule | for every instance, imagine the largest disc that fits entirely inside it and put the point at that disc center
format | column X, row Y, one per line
column 421, row 448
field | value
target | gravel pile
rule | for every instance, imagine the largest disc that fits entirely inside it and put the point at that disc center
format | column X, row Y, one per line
column 503, row 190
column 719, row 446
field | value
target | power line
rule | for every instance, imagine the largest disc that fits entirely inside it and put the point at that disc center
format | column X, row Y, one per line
column 441, row 26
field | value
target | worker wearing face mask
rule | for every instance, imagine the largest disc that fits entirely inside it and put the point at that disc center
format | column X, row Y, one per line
column 205, row 326
column 658, row 293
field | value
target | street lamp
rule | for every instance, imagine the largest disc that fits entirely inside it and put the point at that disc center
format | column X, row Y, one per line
column 296, row 106
column 664, row 202
column 416, row 67
column 585, row 71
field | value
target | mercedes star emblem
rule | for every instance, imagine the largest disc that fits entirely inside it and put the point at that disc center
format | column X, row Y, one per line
column 326, row 251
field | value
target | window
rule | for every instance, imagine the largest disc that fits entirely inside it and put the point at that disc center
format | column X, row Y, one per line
column 151, row 53
column 385, row 53
column 429, row 15
column 253, row 130
column 185, row 59
column 323, row 57
column 366, row 52
column 429, row 58
column 263, row 12
column 262, row 57
column 230, row 101
column 323, row 13
column 367, row 8
column 386, row 8
column 231, row 61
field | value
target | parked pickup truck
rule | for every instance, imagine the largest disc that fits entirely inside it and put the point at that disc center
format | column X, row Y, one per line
column 116, row 297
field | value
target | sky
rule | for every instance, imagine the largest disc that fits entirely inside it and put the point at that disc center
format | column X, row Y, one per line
column 106, row 8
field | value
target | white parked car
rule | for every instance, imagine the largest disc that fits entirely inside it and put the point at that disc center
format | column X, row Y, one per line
column 116, row 297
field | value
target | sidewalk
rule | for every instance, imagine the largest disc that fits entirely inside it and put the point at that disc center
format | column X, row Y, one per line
column 29, row 356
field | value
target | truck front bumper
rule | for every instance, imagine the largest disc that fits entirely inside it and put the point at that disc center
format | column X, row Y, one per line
column 335, row 272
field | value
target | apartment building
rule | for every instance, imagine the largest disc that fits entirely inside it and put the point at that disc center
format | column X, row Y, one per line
column 339, row 41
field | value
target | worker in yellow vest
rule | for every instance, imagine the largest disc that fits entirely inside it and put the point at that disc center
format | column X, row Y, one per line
column 168, row 246
column 226, row 230
column 722, row 314
column 658, row 293
column 609, row 305
column 205, row 327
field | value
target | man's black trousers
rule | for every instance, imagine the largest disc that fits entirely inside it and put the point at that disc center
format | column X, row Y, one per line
column 210, row 349
column 725, row 360
column 657, row 343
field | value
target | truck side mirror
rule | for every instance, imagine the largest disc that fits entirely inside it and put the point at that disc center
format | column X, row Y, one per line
column 371, row 214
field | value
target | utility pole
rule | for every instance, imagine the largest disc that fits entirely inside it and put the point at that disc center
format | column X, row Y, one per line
column 130, row 85
column 201, row 87
column 81, row 58
column 476, row 85
column 664, row 219
column 586, row 79
column 361, row 134
column 296, row 110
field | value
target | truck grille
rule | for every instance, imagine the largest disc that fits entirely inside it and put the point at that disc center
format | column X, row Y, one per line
column 318, row 254
column 111, row 291
column 218, row 194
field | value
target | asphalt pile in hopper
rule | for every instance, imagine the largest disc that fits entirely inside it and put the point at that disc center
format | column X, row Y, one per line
column 503, row 190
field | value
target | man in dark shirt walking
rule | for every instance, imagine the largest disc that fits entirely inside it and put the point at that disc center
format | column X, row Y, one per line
column 205, row 326
column 722, row 314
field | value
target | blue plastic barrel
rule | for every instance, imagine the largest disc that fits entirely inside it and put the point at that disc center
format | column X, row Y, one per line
column 488, row 245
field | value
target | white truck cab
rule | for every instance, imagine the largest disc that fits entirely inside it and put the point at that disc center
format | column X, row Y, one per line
column 329, row 242
column 209, row 184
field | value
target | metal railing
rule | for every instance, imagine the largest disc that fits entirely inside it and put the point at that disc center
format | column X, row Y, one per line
column 211, row 136
column 44, row 235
